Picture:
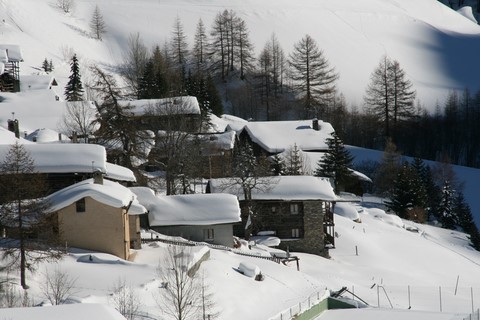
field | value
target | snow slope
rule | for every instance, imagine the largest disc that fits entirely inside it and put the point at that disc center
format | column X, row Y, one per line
column 425, row 261
column 435, row 45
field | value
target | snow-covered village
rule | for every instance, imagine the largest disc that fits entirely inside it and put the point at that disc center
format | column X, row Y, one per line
column 240, row 159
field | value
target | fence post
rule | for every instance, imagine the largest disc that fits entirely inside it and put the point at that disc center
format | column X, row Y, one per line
column 409, row 302
column 440, row 295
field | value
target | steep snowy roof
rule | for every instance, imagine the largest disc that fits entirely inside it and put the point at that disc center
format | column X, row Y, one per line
column 286, row 188
column 65, row 157
column 11, row 52
column 77, row 311
column 188, row 209
column 8, row 138
column 167, row 106
column 109, row 193
column 277, row 136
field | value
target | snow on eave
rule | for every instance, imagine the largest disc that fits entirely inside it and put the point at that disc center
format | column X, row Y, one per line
column 64, row 158
column 278, row 136
column 119, row 173
column 188, row 209
column 283, row 188
column 361, row 176
column 167, row 106
column 109, row 193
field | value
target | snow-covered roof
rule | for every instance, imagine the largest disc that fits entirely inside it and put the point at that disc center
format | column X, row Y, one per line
column 77, row 311
column 46, row 135
column 213, row 142
column 64, row 157
column 37, row 82
column 277, row 136
column 120, row 173
column 286, row 188
column 227, row 123
column 13, row 53
column 8, row 138
column 109, row 193
column 167, row 106
column 188, row 209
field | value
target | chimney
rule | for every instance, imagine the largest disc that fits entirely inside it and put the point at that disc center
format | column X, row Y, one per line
column 315, row 125
column 98, row 177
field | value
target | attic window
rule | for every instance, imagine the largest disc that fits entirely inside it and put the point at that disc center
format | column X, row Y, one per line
column 80, row 205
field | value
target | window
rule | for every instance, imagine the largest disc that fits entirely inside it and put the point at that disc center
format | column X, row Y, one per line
column 296, row 233
column 294, row 208
column 80, row 205
column 274, row 209
column 208, row 234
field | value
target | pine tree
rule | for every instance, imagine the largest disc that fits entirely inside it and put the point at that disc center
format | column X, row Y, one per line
column 45, row 65
column 278, row 165
column 200, row 51
column 97, row 24
column 74, row 87
column 465, row 220
column 294, row 164
column 447, row 210
column 23, row 211
column 388, row 169
column 408, row 197
column 390, row 95
column 312, row 75
column 336, row 163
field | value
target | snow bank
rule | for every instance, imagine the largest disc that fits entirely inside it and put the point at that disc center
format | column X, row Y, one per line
column 249, row 269
column 380, row 214
column 347, row 210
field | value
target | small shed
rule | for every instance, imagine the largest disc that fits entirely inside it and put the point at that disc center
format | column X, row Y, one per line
column 197, row 217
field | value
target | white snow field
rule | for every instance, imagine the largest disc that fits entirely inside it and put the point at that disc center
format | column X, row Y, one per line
column 435, row 45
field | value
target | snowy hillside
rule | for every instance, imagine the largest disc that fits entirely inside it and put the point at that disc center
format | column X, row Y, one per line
column 382, row 251
column 434, row 44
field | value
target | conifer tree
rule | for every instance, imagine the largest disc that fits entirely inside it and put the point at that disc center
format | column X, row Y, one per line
column 408, row 195
column 23, row 209
column 45, row 65
column 312, row 75
column 388, row 169
column 447, row 210
column 97, row 24
column 294, row 164
column 390, row 95
column 336, row 163
column 200, row 44
column 74, row 87
column 278, row 165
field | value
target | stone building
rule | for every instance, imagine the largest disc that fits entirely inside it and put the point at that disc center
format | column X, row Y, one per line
column 296, row 209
